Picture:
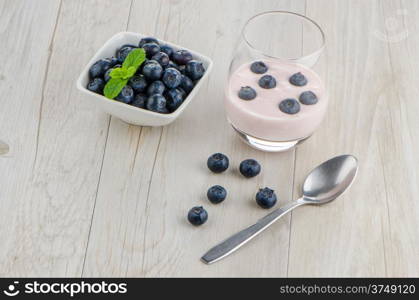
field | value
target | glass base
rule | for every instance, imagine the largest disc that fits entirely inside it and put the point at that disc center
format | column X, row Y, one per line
column 268, row 146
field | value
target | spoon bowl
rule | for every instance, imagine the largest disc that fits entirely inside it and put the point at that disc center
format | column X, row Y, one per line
column 330, row 179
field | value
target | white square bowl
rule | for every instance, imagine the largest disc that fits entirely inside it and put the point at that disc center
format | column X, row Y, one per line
column 126, row 112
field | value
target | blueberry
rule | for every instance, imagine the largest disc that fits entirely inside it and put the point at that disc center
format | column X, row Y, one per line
column 167, row 49
column 99, row 68
column 289, row 106
column 147, row 40
column 172, row 78
column 113, row 61
column 138, row 83
column 267, row 82
column 96, row 85
column 266, row 198
column 298, row 79
column 171, row 64
column 197, row 215
column 181, row 57
column 181, row 69
column 151, row 49
column 107, row 75
column 126, row 95
column 157, row 103
column 216, row 194
column 174, row 98
column 123, row 52
column 152, row 70
column 258, row 67
column 162, row 58
column 156, row 87
column 249, row 168
column 139, row 100
column 194, row 69
column 247, row 93
column 186, row 84
column 308, row 98
column 128, row 45
column 182, row 92
column 218, row 162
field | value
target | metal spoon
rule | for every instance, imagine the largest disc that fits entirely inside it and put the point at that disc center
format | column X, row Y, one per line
column 324, row 184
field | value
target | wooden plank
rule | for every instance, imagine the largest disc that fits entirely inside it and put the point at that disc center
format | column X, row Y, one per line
column 346, row 237
column 151, row 177
column 52, row 211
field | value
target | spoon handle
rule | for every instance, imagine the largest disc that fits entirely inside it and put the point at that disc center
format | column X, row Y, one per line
column 242, row 237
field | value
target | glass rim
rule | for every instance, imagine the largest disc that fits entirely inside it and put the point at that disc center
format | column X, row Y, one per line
column 249, row 44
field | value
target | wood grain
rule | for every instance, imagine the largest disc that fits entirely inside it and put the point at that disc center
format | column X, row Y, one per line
column 84, row 194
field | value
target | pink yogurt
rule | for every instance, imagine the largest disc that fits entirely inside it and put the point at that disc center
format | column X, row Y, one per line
column 261, row 116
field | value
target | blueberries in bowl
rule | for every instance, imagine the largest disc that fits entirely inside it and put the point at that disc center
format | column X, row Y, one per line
column 126, row 95
column 156, row 87
column 160, row 84
column 298, row 79
column 162, row 58
column 258, row 67
column 157, row 103
column 96, row 85
column 151, row 49
column 218, row 163
column 308, row 98
column 249, row 168
column 152, row 70
column 194, row 69
column 172, row 78
column 267, row 82
column 181, row 57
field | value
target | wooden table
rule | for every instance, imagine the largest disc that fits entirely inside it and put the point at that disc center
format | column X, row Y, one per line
column 84, row 194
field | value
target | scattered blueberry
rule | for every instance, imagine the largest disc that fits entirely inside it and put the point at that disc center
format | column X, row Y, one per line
column 99, row 68
column 249, row 168
column 126, row 95
column 172, row 78
column 218, row 162
column 157, row 103
column 197, row 215
column 152, row 70
column 156, row 87
column 147, row 40
column 216, row 194
column 194, row 69
column 140, row 100
column 308, row 98
column 123, row 52
column 267, row 82
column 247, row 93
column 298, row 79
column 151, row 49
column 181, row 57
column 138, row 83
column 167, row 49
column 96, row 85
column 162, row 58
column 259, row 67
column 174, row 98
column 266, row 198
column 289, row 106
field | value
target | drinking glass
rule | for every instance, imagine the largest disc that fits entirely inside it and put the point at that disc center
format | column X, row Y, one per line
column 287, row 43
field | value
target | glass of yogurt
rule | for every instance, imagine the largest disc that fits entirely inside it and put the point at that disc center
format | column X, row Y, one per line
column 274, row 99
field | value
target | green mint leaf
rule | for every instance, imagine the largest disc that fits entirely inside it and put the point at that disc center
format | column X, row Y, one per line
column 113, row 87
column 131, row 71
column 117, row 73
column 134, row 59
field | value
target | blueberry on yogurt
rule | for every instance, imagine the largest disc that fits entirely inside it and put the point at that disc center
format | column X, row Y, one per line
column 267, row 82
column 289, row 106
column 247, row 93
column 308, row 98
column 298, row 79
column 259, row 67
